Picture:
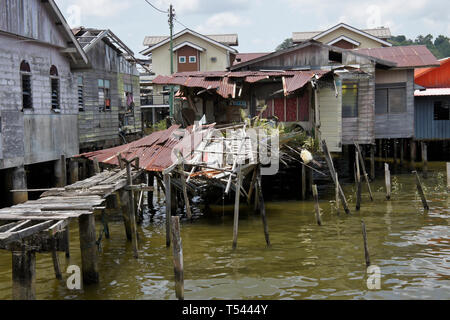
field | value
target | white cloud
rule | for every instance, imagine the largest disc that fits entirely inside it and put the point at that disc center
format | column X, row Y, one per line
column 96, row 8
column 222, row 22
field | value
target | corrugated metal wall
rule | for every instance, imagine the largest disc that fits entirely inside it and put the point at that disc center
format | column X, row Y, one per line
column 426, row 128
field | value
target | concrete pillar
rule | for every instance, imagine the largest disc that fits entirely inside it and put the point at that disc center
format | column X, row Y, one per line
column 60, row 172
column 73, row 169
column 19, row 182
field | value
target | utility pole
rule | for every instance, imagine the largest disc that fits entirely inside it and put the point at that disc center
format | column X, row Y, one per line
column 171, row 17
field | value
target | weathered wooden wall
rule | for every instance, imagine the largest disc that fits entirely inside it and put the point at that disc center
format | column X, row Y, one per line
column 100, row 129
column 426, row 128
column 38, row 134
column 397, row 125
column 330, row 109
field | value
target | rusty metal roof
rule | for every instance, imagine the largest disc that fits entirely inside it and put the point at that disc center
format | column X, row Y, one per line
column 404, row 56
column 224, row 81
column 155, row 150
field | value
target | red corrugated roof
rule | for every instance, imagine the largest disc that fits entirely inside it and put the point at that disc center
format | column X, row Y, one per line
column 404, row 56
column 223, row 81
column 154, row 151
column 244, row 57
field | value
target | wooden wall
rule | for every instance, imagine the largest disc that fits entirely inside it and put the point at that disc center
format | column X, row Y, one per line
column 330, row 108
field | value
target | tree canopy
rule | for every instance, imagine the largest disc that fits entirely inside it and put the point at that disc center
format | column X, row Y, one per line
column 440, row 47
column 287, row 43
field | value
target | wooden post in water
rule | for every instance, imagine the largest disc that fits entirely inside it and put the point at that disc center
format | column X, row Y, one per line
column 177, row 258
column 358, row 183
column 412, row 150
column 168, row 207
column 105, row 223
column 73, row 170
column 252, row 185
column 132, row 213
column 387, row 177
column 303, row 186
column 66, row 238
column 336, row 190
column 262, row 207
column 448, row 176
column 363, row 166
column 185, row 194
column 236, row 207
column 316, row 204
column 424, row 159
column 333, row 176
column 395, row 155
column 150, row 183
column 366, row 246
column 24, row 275
column 122, row 202
column 402, row 152
column 89, row 256
column 55, row 258
column 421, row 193
column 372, row 161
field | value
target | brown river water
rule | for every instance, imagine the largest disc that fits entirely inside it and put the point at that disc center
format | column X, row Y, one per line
column 306, row 261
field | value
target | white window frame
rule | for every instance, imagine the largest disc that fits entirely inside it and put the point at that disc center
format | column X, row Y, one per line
column 181, row 57
column 195, row 59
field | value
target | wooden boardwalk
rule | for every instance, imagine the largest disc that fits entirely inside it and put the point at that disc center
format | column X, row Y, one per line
column 42, row 225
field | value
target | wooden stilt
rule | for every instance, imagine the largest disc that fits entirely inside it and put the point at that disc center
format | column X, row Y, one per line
column 316, row 204
column 168, row 207
column 262, row 207
column 252, row 186
column 73, row 169
column 105, row 224
column 150, row 183
column 424, row 159
column 421, row 193
column 67, row 241
column 448, row 176
column 124, row 205
column 24, row 275
column 333, row 176
column 177, row 258
column 236, row 207
column 132, row 213
column 89, row 256
column 412, row 150
column 55, row 258
column 363, row 166
column 336, row 190
column 358, row 183
column 372, row 162
column 402, row 153
column 303, row 167
column 185, row 194
column 96, row 166
column 366, row 246
column 387, row 177
column 395, row 155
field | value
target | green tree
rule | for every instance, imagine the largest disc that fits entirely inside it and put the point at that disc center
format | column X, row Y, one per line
column 287, row 43
column 440, row 47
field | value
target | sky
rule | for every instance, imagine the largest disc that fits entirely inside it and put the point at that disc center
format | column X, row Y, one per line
column 261, row 25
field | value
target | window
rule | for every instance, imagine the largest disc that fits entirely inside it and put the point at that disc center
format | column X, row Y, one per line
column 349, row 100
column 80, row 93
column 441, row 110
column 104, row 99
column 192, row 59
column 25, row 74
column 54, row 81
column 390, row 99
column 182, row 59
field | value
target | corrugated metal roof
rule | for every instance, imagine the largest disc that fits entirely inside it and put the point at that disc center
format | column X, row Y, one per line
column 432, row 92
column 155, row 150
column 224, row 81
column 421, row 71
column 404, row 56
column 382, row 33
column 227, row 39
column 244, row 57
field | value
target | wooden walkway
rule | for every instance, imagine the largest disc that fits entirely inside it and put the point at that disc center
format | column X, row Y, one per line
column 42, row 225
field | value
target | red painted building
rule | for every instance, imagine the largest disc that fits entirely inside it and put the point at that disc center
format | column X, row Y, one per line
column 437, row 77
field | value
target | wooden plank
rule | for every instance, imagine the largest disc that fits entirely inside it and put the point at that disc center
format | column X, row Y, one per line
column 9, row 237
column 421, row 193
column 363, row 166
column 236, row 207
column 366, row 246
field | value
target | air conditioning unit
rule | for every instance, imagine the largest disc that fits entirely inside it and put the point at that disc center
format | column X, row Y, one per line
column 213, row 59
